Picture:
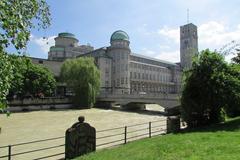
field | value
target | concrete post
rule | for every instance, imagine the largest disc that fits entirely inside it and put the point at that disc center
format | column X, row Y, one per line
column 173, row 124
column 80, row 139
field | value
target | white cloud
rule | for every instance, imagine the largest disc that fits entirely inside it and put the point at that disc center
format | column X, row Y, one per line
column 171, row 56
column 214, row 35
column 43, row 43
column 148, row 52
column 211, row 35
column 144, row 30
column 170, row 33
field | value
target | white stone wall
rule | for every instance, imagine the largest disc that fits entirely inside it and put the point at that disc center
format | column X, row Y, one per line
column 53, row 66
column 150, row 78
column 120, row 53
column 105, row 65
column 66, row 42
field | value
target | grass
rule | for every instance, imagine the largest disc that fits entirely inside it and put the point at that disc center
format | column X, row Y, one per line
column 215, row 142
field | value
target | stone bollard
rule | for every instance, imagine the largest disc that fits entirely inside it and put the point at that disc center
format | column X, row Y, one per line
column 80, row 139
column 173, row 124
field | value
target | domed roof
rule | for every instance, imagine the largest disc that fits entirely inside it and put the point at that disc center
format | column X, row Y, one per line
column 66, row 35
column 119, row 35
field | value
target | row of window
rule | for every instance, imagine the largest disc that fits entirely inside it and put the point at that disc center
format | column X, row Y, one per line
column 153, row 77
column 120, row 44
column 122, row 80
column 149, row 68
column 149, row 61
column 118, row 68
column 118, row 56
column 152, row 88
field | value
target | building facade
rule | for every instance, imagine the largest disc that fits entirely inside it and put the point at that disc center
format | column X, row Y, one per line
column 123, row 71
column 66, row 46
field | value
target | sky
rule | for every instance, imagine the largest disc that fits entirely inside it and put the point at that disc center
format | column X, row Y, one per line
column 152, row 25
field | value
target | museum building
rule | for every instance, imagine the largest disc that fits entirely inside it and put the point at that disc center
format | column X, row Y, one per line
column 123, row 71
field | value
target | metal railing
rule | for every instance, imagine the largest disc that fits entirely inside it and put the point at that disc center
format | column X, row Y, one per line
column 11, row 154
column 104, row 138
column 123, row 135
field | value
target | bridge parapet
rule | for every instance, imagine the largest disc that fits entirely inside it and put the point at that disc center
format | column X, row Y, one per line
column 165, row 100
column 148, row 96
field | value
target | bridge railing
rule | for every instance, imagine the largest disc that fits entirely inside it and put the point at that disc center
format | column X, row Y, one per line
column 135, row 95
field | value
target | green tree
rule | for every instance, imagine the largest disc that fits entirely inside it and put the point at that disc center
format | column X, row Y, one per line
column 210, row 87
column 17, row 18
column 30, row 79
column 6, row 75
column 237, row 58
column 83, row 77
column 38, row 79
column 19, row 68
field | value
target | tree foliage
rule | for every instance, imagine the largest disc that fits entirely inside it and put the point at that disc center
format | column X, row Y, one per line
column 83, row 77
column 30, row 79
column 210, row 88
column 6, row 75
column 237, row 58
column 17, row 18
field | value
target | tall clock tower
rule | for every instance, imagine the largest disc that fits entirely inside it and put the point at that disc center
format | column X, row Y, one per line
column 188, row 44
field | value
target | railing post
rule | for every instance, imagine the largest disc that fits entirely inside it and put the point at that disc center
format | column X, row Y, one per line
column 150, row 126
column 9, row 152
column 125, row 135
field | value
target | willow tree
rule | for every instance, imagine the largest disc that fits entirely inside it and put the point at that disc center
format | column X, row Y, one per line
column 83, row 78
column 17, row 19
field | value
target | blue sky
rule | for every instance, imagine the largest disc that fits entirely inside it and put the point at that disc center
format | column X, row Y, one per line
column 153, row 25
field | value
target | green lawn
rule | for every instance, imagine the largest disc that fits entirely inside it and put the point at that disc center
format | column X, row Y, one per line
column 216, row 142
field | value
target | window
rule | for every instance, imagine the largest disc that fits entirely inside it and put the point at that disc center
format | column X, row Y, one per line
column 131, row 65
column 139, row 76
column 118, row 69
column 135, row 65
column 139, row 66
column 114, row 69
column 118, row 82
column 106, row 71
column 113, row 83
column 122, row 80
column 106, row 83
column 122, row 68
column 130, row 74
column 40, row 61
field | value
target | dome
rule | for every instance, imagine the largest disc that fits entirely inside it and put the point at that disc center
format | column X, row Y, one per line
column 66, row 35
column 119, row 35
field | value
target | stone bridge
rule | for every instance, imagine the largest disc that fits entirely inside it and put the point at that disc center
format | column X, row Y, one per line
column 164, row 100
